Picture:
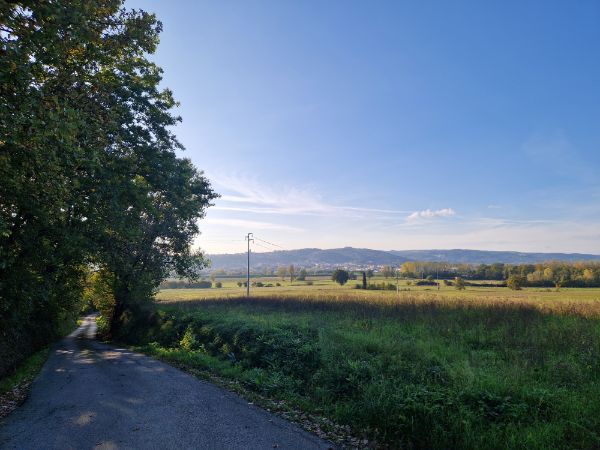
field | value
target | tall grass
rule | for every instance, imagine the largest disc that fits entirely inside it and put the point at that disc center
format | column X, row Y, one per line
column 415, row 372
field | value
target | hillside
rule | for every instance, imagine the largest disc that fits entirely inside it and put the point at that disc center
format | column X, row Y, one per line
column 354, row 257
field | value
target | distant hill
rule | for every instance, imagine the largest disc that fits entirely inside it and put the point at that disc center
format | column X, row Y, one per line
column 364, row 257
column 308, row 257
column 490, row 257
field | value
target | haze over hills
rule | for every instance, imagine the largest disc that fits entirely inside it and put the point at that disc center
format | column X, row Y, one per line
column 363, row 257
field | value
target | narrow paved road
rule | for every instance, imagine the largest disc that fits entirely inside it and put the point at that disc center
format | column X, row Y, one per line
column 94, row 396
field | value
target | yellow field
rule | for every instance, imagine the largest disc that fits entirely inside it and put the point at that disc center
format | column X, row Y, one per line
column 585, row 301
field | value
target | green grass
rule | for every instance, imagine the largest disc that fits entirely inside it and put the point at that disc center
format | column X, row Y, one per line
column 26, row 372
column 520, row 370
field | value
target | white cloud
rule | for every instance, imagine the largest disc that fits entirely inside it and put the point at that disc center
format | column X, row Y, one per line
column 430, row 214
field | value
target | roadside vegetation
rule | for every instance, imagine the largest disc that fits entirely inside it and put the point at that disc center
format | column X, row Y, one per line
column 415, row 371
column 14, row 388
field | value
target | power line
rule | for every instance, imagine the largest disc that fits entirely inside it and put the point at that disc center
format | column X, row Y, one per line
column 267, row 242
column 222, row 240
column 262, row 246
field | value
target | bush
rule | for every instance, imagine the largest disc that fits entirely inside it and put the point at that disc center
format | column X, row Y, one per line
column 181, row 284
column 189, row 341
column 218, row 284
column 340, row 276
column 515, row 282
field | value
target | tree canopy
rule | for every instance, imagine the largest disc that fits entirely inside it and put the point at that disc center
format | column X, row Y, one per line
column 340, row 276
column 89, row 174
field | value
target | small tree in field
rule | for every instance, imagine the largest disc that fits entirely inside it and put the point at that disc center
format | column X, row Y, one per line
column 281, row 272
column 302, row 275
column 459, row 283
column 292, row 272
column 387, row 271
column 340, row 276
column 515, row 283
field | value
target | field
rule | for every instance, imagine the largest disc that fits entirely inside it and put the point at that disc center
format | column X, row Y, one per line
column 421, row 368
column 584, row 301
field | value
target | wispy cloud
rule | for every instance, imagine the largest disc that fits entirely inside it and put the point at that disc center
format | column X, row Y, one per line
column 243, row 194
column 250, row 224
column 430, row 214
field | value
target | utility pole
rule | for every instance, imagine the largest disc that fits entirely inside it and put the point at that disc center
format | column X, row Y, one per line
column 249, row 239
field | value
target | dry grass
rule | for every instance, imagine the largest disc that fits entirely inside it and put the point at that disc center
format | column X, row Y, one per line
column 580, row 301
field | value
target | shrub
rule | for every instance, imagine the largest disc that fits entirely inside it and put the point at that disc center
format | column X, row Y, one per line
column 340, row 276
column 218, row 284
column 515, row 282
column 189, row 341
column 459, row 284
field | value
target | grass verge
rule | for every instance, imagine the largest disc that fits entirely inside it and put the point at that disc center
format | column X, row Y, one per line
column 15, row 388
column 406, row 374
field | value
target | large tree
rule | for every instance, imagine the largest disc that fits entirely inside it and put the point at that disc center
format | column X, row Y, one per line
column 89, row 176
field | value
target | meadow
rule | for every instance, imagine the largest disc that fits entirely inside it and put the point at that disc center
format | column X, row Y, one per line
column 419, row 368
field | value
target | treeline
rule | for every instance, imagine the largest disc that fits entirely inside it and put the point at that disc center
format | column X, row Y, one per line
column 548, row 274
column 95, row 205
column 182, row 284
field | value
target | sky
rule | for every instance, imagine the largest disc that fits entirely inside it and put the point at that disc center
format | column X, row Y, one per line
column 390, row 124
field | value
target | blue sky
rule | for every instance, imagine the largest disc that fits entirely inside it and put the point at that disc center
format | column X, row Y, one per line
column 390, row 125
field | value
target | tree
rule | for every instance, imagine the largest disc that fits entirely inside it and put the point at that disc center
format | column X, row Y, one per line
column 459, row 284
column 364, row 280
column 302, row 275
column 90, row 177
column 515, row 282
column 387, row 271
column 282, row 272
column 292, row 273
column 370, row 274
column 340, row 276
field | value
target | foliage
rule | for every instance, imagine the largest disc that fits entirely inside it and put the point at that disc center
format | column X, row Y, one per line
column 408, row 373
column 302, row 275
column 387, row 271
column 27, row 371
column 515, row 282
column 180, row 284
column 459, row 283
column 282, row 272
column 340, row 276
column 90, row 177
column 548, row 274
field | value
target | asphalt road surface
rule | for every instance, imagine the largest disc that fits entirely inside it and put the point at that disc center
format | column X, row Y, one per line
column 94, row 396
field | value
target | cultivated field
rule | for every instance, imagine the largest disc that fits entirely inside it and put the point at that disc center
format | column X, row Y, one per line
column 486, row 367
column 585, row 301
